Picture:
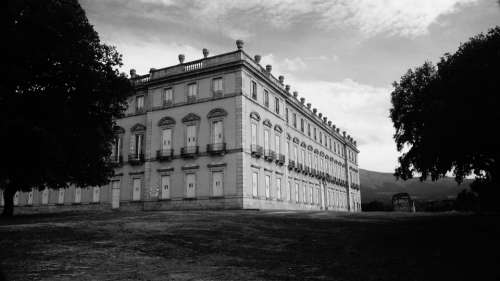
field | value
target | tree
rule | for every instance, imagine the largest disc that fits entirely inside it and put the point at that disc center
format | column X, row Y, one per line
column 445, row 115
column 60, row 94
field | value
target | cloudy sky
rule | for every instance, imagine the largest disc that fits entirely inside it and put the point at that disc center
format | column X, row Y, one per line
column 341, row 55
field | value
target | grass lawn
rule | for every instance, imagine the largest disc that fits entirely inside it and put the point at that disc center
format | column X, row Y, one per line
column 250, row 245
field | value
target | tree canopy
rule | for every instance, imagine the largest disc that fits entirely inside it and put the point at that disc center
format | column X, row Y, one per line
column 444, row 115
column 60, row 94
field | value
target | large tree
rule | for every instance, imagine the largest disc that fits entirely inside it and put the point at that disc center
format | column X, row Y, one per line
column 446, row 116
column 60, row 91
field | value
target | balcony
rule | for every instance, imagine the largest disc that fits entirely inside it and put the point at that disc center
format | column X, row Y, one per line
column 291, row 164
column 280, row 159
column 313, row 172
column 116, row 160
column 189, row 151
column 164, row 154
column 299, row 167
column 306, row 170
column 269, row 155
column 167, row 103
column 256, row 150
column 136, row 158
column 191, row 99
column 216, row 148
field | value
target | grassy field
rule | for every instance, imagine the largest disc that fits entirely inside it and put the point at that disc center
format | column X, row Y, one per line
column 250, row 245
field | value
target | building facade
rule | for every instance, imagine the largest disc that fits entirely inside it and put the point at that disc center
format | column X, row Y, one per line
column 220, row 132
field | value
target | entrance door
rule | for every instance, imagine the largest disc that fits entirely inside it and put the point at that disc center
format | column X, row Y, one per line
column 165, row 187
column 115, row 196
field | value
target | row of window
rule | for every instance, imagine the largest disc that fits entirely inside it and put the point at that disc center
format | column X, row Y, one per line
column 254, row 95
column 44, row 200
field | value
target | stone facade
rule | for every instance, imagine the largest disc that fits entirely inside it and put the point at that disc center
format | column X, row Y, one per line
column 221, row 132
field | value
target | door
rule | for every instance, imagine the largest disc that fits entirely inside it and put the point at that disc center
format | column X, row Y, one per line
column 190, row 185
column 78, row 195
column 165, row 187
column 217, row 134
column 166, row 144
column 136, row 195
column 191, row 135
column 60, row 199
column 115, row 195
column 45, row 196
column 217, row 184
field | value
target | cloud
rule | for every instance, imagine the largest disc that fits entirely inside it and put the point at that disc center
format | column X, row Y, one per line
column 392, row 17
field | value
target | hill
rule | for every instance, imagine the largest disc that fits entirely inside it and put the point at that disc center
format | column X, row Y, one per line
column 381, row 186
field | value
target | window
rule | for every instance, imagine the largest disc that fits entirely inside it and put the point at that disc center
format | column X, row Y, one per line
column 217, row 179
column 326, row 143
column 96, row 194
column 191, row 136
column 166, row 140
column 255, row 184
column 295, row 154
column 30, row 197
column 192, row 91
column 116, row 148
column 217, row 132
column 45, row 196
column 278, row 188
column 314, row 133
column 136, row 192
column 190, row 185
column 294, row 120
column 266, row 98
column 266, row 140
column 136, row 145
column 277, row 144
column 301, row 125
column 254, row 90
column 60, row 199
column 296, row 192
column 167, row 96
column 289, row 151
column 253, row 127
column 165, row 187
column 311, row 200
column 268, row 186
column 320, row 137
column 308, row 130
column 286, row 113
column 217, row 85
column 289, row 191
column 16, row 198
column 277, row 105
column 139, row 103
column 330, row 143
column 78, row 195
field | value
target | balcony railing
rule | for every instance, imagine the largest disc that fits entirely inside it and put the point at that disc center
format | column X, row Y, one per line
column 164, row 154
column 280, row 159
column 256, row 150
column 191, row 99
column 189, row 151
column 269, row 155
column 313, row 172
column 116, row 160
column 299, row 167
column 291, row 164
column 216, row 148
column 306, row 170
column 136, row 158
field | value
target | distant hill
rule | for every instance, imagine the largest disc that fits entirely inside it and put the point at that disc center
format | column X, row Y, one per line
column 381, row 186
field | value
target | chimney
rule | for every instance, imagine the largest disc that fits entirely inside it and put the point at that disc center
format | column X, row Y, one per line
column 302, row 100
column 295, row 94
column 181, row 58
column 269, row 68
column 239, row 44
column 133, row 73
column 205, row 52
column 257, row 58
column 281, row 78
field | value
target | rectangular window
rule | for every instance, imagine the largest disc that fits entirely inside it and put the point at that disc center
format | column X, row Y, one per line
column 166, row 139
column 167, row 96
column 165, row 187
column 60, row 199
column 278, row 188
column 296, row 192
column 268, row 186
column 139, row 103
column 253, row 127
column 96, row 194
column 320, row 137
column 266, row 140
column 217, row 85
column 191, row 139
column 286, row 115
column 217, row 133
column 45, row 196
column 217, row 180
column 136, row 192
column 277, row 144
column 266, row 98
column 190, row 185
column 301, row 125
column 330, row 143
column 277, row 105
column 308, row 130
column 294, row 120
column 78, row 195
column 289, row 191
column 314, row 133
column 254, row 90
column 116, row 149
column 192, row 92
column 30, row 197
column 255, row 184
column 136, row 145
column 295, row 154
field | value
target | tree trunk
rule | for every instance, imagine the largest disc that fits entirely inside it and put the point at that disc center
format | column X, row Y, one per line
column 8, row 198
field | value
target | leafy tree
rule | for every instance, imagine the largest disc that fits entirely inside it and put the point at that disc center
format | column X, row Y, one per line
column 445, row 115
column 60, row 92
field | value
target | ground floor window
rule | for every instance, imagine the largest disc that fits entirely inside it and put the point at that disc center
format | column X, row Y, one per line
column 136, row 189
column 78, row 195
column 268, row 186
column 96, row 197
column 289, row 191
column 296, row 192
column 165, row 187
column 60, row 199
column 30, row 197
column 255, row 183
column 217, row 184
column 278, row 188
column 16, row 198
column 190, row 185
column 45, row 196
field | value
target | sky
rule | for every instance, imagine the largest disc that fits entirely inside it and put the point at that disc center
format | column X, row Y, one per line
column 340, row 55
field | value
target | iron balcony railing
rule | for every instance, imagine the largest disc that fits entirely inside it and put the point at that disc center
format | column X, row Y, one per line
column 299, row 167
column 216, row 148
column 136, row 158
column 269, row 155
column 291, row 164
column 164, row 154
column 256, row 150
column 189, row 151
column 281, row 159
column 116, row 160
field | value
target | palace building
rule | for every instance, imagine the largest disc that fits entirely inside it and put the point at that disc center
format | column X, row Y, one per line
column 220, row 132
